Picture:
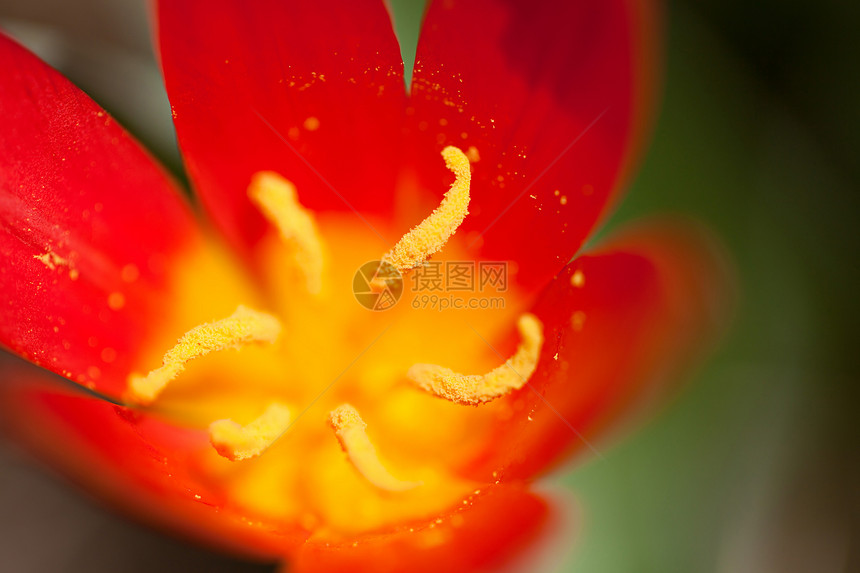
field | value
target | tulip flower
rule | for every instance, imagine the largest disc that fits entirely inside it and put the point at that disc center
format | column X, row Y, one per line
column 229, row 387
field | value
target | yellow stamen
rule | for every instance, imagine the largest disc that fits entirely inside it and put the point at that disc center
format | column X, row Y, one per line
column 237, row 330
column 349, row 429
column 431, row 234
column 277, row 199
column 479, row 389
column 236, row 442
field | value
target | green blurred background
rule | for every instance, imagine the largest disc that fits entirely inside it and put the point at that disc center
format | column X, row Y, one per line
column 755, row 467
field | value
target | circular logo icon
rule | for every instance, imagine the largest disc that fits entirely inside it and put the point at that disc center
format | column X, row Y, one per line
column 377, row 285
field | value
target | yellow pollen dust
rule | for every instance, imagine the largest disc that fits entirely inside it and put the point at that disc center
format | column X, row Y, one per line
column 349, row 429
column 277, row 199
column 312, row 123
column 431, row 234
column 243, row 327
column 475, row 389
column 236, row 442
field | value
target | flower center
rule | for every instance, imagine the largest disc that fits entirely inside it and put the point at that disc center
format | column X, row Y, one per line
column 330, row 415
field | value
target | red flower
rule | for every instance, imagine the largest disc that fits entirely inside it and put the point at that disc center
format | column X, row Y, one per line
column 104, row 268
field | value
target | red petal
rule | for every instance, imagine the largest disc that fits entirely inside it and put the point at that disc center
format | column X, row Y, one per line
column 88, row 225
column 244, row 79
column 553, row 96
column 491, row 528
column 651, row 301
column 146, row 468
column 133, row 461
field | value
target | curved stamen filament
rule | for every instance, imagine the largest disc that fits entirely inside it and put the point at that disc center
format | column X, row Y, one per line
column 431, row 234
column 277, row 199
column 479, row 389
column 349, row 429
column 236, row 442
column 243, row 327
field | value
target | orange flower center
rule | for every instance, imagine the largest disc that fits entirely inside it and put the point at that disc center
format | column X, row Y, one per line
column 330, row 414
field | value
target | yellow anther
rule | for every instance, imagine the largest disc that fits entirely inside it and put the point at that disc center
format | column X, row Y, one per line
column 277, row 199
column 479, row 389
column 431, row 234
column 236, row 442
column 349, row 429
column 237, row 330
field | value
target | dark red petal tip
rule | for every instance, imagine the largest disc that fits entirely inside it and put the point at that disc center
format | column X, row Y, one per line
column 552, row 96
column 311, row 90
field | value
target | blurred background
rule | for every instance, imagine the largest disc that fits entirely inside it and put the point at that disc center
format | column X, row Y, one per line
column 755, row 467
